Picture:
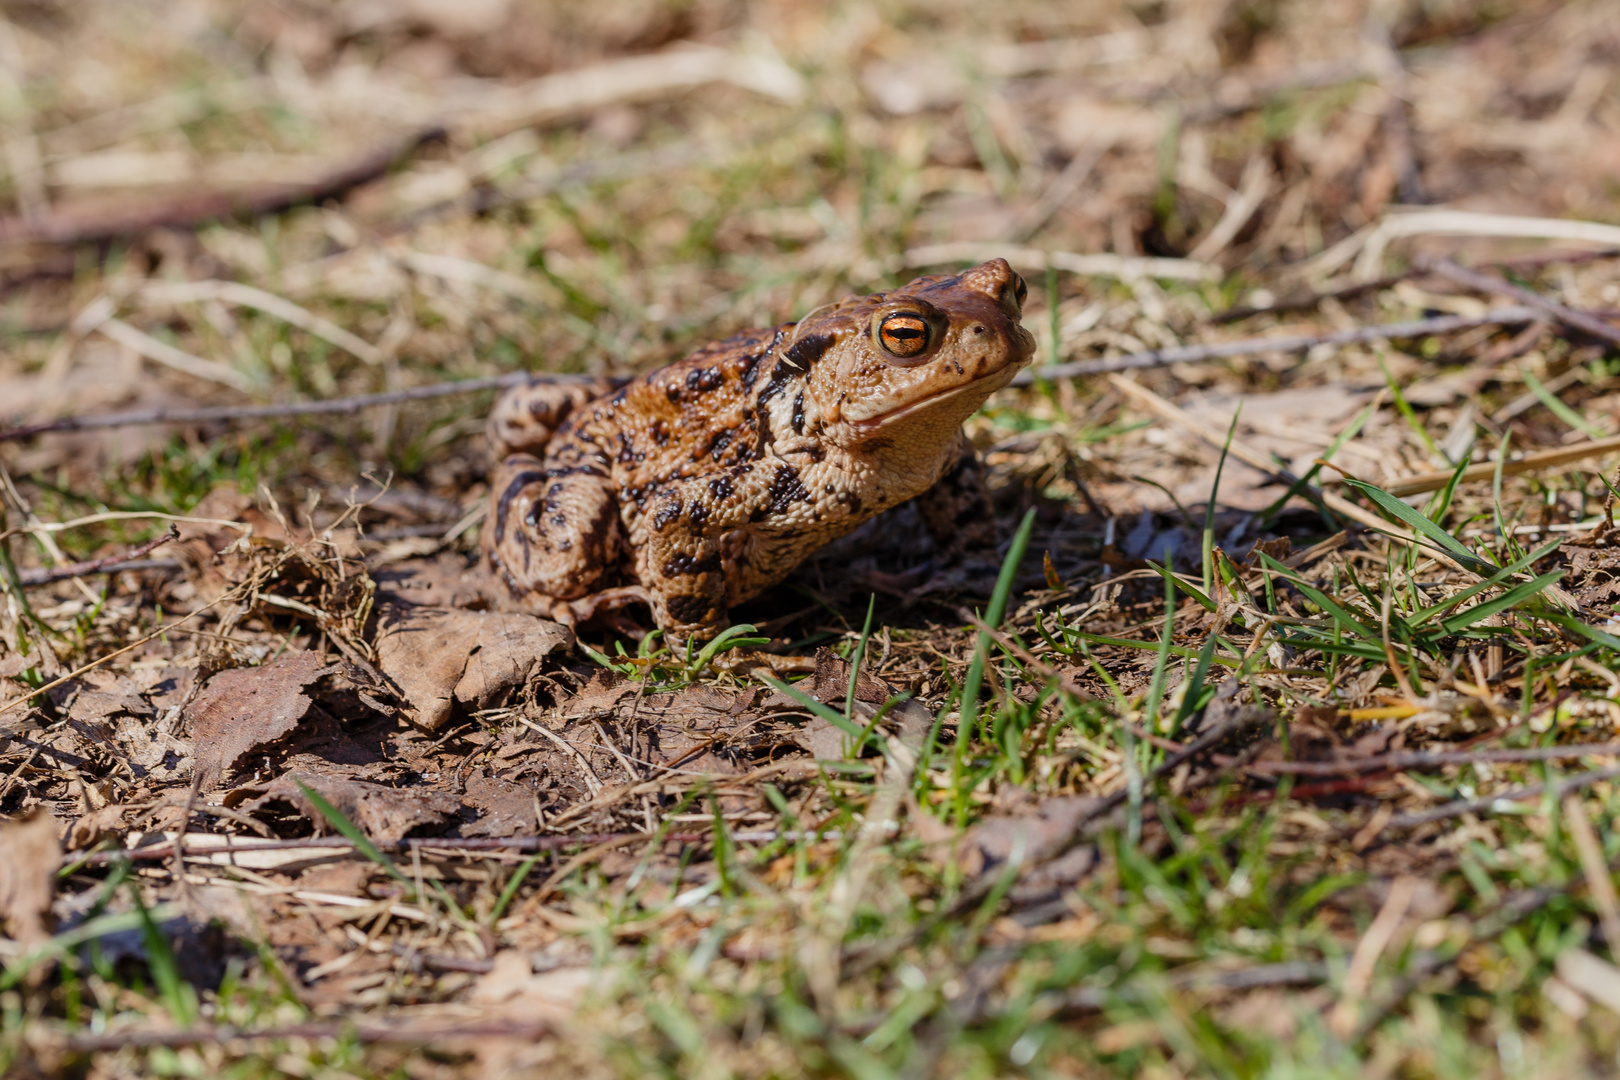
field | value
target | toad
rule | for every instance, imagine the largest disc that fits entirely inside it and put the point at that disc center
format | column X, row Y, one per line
column 699, row 485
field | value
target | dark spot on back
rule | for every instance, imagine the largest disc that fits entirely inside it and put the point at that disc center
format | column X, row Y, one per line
column 785, row 490
column 687, row 609
column 503, row 508
column 798, row 414
column 683, row 564
column 704, row 379
column 750, row 370
column 668, row 511
column 717, row 442
column 808, row 349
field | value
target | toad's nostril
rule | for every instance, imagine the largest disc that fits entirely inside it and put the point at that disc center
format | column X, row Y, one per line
column 978, row 330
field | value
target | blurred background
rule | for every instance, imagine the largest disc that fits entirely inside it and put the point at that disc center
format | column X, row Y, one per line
column 585, row 185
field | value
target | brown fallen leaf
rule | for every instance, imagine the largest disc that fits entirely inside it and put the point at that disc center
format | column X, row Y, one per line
column 29, row 858
column 99, row 695
column 597, row 698
column 385, row 814
column 1031, row 836
column 504, row 808
column 244, row 710
column 91, row 827
column 445, row 581
column 13, row 665
column 477, row 659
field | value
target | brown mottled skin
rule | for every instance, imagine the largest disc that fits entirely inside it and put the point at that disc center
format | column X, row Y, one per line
column 701, row 484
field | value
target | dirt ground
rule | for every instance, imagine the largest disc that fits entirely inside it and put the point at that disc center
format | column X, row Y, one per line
column 1283, row 746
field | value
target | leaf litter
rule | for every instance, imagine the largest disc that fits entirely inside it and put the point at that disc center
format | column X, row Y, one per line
column 1256, row 762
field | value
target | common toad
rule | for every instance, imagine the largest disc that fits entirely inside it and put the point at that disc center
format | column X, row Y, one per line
column 699, row 485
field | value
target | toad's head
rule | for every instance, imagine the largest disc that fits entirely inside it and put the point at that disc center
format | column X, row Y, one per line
column 903, row 369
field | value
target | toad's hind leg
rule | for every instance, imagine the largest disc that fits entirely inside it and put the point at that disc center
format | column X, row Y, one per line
column 551, row 535
column 525, row 417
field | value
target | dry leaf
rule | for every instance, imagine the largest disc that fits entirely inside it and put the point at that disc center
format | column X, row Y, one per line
column 247, row 709
column 29, row 858
column 504, row 808
column 385, row 814
column 478, row 659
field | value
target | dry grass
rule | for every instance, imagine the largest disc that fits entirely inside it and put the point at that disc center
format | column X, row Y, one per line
column 1219, row 783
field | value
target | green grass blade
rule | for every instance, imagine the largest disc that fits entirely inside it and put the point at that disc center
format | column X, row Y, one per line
column 1441, row 502
column 1515, row 596
column 175, row 991
column 1404, row 407
column 1161, row 665
column 1586, row 630
column 514, row 883
column 1170, row 577
column 820, row 708
column 1138, row 643
column 732, row 637
column 1009, row 571
column 1298, row 486
column 1559, row 409
column 351, row 832
column 1195, row 684
column 1335, row 610
column 855, row 660
column 968, row 703
column 1208, row 550
column 1425, row 614
column 1423, row 526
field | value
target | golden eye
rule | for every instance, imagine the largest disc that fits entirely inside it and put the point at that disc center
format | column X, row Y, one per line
column 1020, row 290
column 904, row 335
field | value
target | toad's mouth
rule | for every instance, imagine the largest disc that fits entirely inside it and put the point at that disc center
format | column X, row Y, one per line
column 982, row 387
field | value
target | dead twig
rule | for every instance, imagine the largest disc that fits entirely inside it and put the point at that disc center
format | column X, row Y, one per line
column 415, row 1034
column 1405, row 760
column 1220, row 350
column 1546, row 459
column 96, row 566
column 1488, row 802
column 1490, row 283
column 195, row 211
column 1309, row 300
column 136, row 418
column 527, row 845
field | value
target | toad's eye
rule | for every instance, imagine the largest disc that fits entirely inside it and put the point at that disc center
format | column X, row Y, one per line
column 904, row 335
column 1020, row 290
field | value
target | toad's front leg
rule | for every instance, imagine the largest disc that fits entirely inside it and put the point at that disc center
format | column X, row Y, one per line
column 683, row 541
column 959, row 518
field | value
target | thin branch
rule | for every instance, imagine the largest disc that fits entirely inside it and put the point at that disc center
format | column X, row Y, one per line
column 427, row 845
column 1407, row 760
column 1197, row 354
column 109, row 564
column 1490, row 283
column 195, row 211
column 1488, row 802
column 354, row 404
column 412, row 1033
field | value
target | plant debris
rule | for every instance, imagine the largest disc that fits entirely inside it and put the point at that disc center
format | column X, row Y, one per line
column 1286, row 741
